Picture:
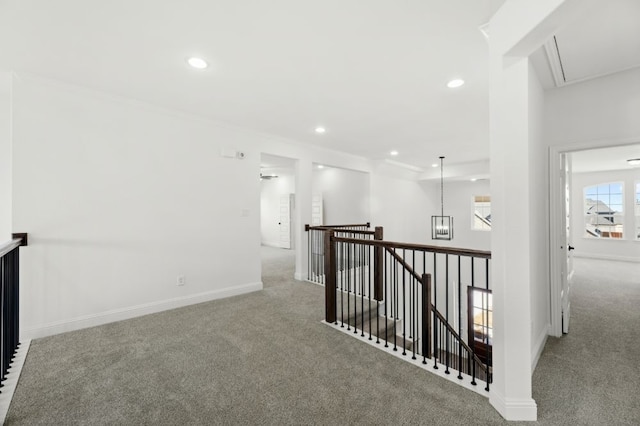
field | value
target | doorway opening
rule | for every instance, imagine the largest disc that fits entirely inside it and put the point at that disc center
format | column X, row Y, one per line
column 595, row 214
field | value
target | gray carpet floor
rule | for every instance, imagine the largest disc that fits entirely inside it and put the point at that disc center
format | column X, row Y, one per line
column 265, row 358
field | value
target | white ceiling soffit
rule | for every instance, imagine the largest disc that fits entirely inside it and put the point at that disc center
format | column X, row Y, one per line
column 604, row 41
column 604, row 159
column 373, row 72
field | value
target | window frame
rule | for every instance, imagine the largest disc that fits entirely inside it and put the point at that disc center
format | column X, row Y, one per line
column 616, row 231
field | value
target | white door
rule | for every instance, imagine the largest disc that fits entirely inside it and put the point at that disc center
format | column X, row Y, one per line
column 285, row 221
column 316, row 210
column 567, row 265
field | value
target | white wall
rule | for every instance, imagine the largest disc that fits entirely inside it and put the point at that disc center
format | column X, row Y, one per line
column 603, row 111
column 458, row 202
column 627, row 248
column 539, row 228
column 402, row 207
column 271, row 191
column 345, row 195
column 5, row 157
column 120, row 198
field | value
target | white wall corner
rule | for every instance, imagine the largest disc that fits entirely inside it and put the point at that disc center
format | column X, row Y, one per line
column 514, row 409
column 538, row 346
column 86, row 321
column 299, row 276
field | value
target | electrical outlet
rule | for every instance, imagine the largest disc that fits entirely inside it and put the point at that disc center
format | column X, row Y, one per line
column 181, row 280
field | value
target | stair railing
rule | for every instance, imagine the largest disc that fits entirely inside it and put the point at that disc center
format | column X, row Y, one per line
column 315, row 245
column 9, row 301
column 409, row 297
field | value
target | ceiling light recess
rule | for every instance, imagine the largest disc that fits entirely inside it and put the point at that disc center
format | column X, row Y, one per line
column 320, row 130
column 634, row 162
column 457, row 82
column 394, row 152
column 197, row 63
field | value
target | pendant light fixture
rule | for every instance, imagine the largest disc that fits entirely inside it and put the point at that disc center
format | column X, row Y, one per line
column 441, row 226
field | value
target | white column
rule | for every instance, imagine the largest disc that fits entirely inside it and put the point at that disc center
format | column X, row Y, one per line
column 516, row 31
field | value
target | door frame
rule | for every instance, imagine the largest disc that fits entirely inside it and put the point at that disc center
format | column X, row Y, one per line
column 557, row 235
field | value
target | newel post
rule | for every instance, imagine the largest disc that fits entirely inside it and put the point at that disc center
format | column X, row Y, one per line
column 330, row 277
column 426, row 315
column 378, row 263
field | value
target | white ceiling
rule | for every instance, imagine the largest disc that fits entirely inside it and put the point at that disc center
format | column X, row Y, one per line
column 605, row 159
column 605, row 39
column 372, row 72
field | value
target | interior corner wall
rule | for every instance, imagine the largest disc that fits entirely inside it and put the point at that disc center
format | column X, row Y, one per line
column 603, row 111
column 119, row 199
column 402, row 207
column 539, row 219
column 5, row 156
column 625, row 249
column 270, row 193
column 345, row 195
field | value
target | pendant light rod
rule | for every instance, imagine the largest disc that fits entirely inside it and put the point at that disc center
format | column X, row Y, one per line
column 441, row 187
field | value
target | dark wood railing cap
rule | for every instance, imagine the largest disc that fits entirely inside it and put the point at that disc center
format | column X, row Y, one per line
column 17, row 241
column 418, row 247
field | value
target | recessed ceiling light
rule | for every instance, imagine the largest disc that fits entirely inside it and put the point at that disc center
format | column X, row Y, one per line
column 320, row 130
column 455, row 83
column 197, row 63
column 434, row 165
column 473, row 179
column 394, row 152
column 320, row 166
column 634, row 162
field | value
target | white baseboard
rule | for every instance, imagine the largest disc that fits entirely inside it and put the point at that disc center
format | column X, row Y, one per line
column 12, row 379
column 478, row 388
column 633, row 259
column 85, row 321
column 514, row 409
column 538, row 347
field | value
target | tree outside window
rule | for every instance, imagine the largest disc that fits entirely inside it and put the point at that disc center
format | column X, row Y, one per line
column 604, row 210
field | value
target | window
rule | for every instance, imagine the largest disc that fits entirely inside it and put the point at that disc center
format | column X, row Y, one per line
column 638, row 210
column 480, row 317
column 604, row 210
column 481, row 213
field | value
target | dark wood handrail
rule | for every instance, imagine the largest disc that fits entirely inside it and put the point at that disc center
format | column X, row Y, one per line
column 400, row 260
column 10, row 246
column 441, row 317
column 457, row 337
column 418, row 247
column 328, row 227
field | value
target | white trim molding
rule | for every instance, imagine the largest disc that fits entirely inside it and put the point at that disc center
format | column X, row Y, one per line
column 11, row 380
column 514, row 409
column 78, row 323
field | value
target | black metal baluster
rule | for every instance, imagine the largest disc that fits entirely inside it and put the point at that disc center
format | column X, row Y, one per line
column 395, row 302
column 404, row 307
column 436, row 349
column 341, row 263
column 446, row 296
column 459, row 321
column 368, row 260
column 414, row 309
column 386, row 295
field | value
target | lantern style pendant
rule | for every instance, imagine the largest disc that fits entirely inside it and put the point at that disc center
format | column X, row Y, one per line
column 441, row 226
